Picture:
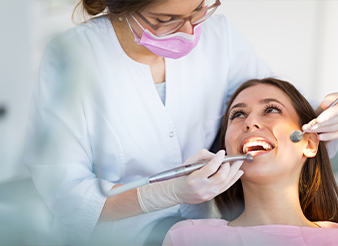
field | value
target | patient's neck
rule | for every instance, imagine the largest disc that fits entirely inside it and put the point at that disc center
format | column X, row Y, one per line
column 271, row 204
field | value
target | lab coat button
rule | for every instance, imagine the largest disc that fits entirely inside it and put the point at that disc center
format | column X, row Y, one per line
column 171, row 134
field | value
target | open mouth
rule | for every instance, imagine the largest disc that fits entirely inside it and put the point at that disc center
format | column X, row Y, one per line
column 254, row 146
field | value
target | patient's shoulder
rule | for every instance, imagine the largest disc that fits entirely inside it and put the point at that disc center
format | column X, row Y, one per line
column 327, row 224
column 211, row 222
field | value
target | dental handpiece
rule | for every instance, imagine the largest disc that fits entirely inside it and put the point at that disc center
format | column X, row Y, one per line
column 189, row 168
column 169, row 174
column 297, row 135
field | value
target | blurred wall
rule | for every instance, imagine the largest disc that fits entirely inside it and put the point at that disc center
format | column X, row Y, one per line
column 297, row 38
column 15, row 84
column 26, row 26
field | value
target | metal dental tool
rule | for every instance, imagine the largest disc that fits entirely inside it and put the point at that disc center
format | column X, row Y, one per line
column 297, row 135
column 170, row 174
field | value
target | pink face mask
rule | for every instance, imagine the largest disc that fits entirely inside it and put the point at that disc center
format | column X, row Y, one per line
column 174, row 46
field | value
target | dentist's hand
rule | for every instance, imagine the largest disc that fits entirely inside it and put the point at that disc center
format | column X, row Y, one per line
column 209, row 181
column 200, row 186
column 327, row 121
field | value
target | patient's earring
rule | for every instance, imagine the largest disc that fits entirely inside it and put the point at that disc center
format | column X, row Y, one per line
column 120, row 19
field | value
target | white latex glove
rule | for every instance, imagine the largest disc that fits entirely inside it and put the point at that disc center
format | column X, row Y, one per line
column 327, row 122
column 209, row 181
column 200, row 186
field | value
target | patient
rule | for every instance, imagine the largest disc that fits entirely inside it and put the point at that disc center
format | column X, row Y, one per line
column 288, row 194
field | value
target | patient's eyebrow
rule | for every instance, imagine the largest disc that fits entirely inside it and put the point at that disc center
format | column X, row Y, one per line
column 263, row 101
column 268, row 100
column 239, row 105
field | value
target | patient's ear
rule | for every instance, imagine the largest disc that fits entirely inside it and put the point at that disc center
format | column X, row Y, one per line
column 311, row 146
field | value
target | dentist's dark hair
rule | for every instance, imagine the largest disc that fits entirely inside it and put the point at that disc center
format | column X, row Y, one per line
column 114, row 8
column 318, row 191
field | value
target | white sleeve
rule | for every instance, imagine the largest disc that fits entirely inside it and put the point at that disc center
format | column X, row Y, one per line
column 58, row 150
column 332, row 148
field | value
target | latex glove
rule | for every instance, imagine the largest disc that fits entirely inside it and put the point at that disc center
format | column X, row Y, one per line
column 209, row 181
column 327, row 122
column 200, row 186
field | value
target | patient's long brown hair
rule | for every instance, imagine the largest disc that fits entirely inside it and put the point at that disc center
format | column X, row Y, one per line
column 317, row 186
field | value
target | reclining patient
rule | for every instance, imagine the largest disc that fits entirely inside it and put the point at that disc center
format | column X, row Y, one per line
column 288, row 194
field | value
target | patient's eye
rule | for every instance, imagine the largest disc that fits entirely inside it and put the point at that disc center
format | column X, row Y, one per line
column 273, row 109
column 236, row 114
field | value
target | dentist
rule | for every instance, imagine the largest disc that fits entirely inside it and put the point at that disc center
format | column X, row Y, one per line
column 135, row 91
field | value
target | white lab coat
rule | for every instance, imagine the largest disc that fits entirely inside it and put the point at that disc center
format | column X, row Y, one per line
column 94, row 107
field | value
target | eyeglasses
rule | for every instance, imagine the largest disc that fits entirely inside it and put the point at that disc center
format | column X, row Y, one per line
column 171, row 26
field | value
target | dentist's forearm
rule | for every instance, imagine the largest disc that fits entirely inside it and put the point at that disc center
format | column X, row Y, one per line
column 122, row 206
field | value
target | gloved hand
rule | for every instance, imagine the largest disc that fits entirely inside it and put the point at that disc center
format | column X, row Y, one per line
column 209, row 181
column 327, row 122
column 200, row 186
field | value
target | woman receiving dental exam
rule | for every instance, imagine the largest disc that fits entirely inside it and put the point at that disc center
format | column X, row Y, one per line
column 288, row 194
column 138, row 89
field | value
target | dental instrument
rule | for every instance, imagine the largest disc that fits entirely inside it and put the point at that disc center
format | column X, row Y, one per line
column 169, row 174
column 297, row 135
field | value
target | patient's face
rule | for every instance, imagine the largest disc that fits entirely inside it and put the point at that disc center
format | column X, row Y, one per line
column 260, row 123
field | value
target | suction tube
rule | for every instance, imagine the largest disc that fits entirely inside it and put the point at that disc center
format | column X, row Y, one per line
column 169, row 174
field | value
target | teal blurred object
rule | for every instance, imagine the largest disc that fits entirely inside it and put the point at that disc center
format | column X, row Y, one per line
column 24, row 217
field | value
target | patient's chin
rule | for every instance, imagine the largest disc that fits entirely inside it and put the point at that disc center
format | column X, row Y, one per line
column 260, row 172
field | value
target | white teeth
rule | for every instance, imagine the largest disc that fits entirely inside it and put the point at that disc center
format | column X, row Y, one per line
column 253, row 143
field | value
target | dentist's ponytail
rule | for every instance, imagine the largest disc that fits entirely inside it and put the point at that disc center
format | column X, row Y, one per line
column 94, row 7
column 113, row 8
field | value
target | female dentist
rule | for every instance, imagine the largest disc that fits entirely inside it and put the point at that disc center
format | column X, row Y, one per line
column 129, row 94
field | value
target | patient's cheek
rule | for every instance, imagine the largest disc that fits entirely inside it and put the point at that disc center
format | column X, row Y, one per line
column 229, row 141
column 228, row 147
